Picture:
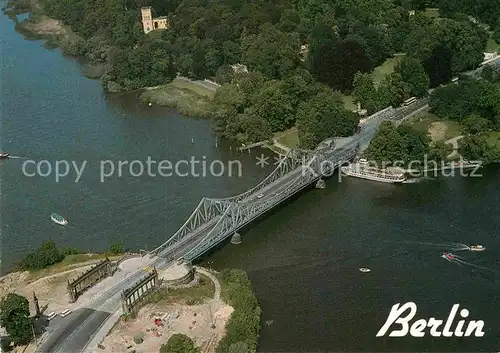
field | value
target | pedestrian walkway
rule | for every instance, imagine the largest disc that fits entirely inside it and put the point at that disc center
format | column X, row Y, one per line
column 454, row 143
column 213, row 278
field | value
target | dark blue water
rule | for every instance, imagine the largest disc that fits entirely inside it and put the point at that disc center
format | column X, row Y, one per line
column 303, row 260
column 50, row 112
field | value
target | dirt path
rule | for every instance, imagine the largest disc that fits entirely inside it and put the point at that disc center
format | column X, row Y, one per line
column 216, row 284
column 454, row 143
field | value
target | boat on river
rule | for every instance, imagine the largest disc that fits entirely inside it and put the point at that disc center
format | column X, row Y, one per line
column 364, row 269
column 4, row 155
column 363, row 171
column 57, row 218
column 477, row 248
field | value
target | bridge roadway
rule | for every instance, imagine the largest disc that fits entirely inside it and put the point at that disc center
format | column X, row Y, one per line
column 73, row 333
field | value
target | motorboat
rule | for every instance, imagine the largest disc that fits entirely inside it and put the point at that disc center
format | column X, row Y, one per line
column 56, row 218
column 477, row 248
column 364, row 269
column 4, row 155
column 448, row 256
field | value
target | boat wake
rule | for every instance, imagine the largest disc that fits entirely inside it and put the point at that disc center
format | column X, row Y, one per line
column 462, row 261
column 445, row 246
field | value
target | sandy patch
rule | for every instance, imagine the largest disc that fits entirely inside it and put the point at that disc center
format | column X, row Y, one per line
column 44, row 26
column 437, row 130
column 192, row 321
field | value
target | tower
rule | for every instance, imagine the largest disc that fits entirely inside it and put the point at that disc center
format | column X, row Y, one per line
column 147, row 19
column 37, row 306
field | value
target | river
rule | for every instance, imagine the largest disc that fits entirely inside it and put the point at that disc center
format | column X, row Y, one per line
column 303, row 259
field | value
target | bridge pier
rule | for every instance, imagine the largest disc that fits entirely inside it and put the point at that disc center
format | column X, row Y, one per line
column 236, row 238
column 320, row 184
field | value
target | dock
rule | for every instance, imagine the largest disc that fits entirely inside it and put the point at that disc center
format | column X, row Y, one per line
column 250, row 146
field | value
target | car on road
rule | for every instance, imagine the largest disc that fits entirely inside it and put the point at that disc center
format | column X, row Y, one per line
column 65, row 313
column 51, row 315
column 259, row 196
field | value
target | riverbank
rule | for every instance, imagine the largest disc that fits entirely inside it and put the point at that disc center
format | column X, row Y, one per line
column 185, row 96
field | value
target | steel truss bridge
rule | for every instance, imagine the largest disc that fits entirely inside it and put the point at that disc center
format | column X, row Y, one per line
column 214, row 220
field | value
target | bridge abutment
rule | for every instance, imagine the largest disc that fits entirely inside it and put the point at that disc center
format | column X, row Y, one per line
column 320, row 184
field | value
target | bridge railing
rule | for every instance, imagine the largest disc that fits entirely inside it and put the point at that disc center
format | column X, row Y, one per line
column 238, row 215
column 293, row 159
column 206, row 210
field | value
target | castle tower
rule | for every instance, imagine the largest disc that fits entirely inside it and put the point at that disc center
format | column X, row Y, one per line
column 147, row 19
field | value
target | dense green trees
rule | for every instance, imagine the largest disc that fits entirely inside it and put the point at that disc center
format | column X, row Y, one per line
column 346, row 40
column 445, row 46
column 323, row 116
column 403, row 145
column 456, row 102
column 412, row 72
column 179, row 343
column 475, row 103
column 244, row 323
column 15, row 317
column 45, row 256
column 272, row 52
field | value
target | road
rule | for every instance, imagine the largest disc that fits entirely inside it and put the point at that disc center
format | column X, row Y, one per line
column 72, row 334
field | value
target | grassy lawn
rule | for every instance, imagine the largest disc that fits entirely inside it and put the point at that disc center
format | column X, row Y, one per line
column 189, row 296
column 431, row 12
column 440, row 130
column 181, row 84
column 289, row 138
column 386, row 68
column 493, row 138
column 492, row 46
column 184, row 96
column 349, row 103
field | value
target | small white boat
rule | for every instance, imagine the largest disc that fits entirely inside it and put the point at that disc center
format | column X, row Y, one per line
column 364, row 269
column 477, row 248
column 56, row 218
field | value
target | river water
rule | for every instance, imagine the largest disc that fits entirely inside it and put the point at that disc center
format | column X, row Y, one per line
column 303, row 259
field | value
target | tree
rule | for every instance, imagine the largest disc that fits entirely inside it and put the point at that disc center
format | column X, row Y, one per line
column 116, row 248
column 276, row 107
column 43, row 257
column 14, row 316
column 324, row 116
column 439, row 66
column 440, row 151
column 239, row 347
column 224, row 74
column 272, row 52
column 179, row 343
column 413, row 73
column 476, row 124
column 476, row 148
column 365, row 92
column 395, row 89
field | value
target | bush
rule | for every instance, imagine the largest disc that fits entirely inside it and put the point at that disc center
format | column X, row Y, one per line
column 45, row 256
column 139, row 338
column 179, row 343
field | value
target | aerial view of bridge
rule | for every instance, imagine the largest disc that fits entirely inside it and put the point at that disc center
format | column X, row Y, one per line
column 214, row 220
